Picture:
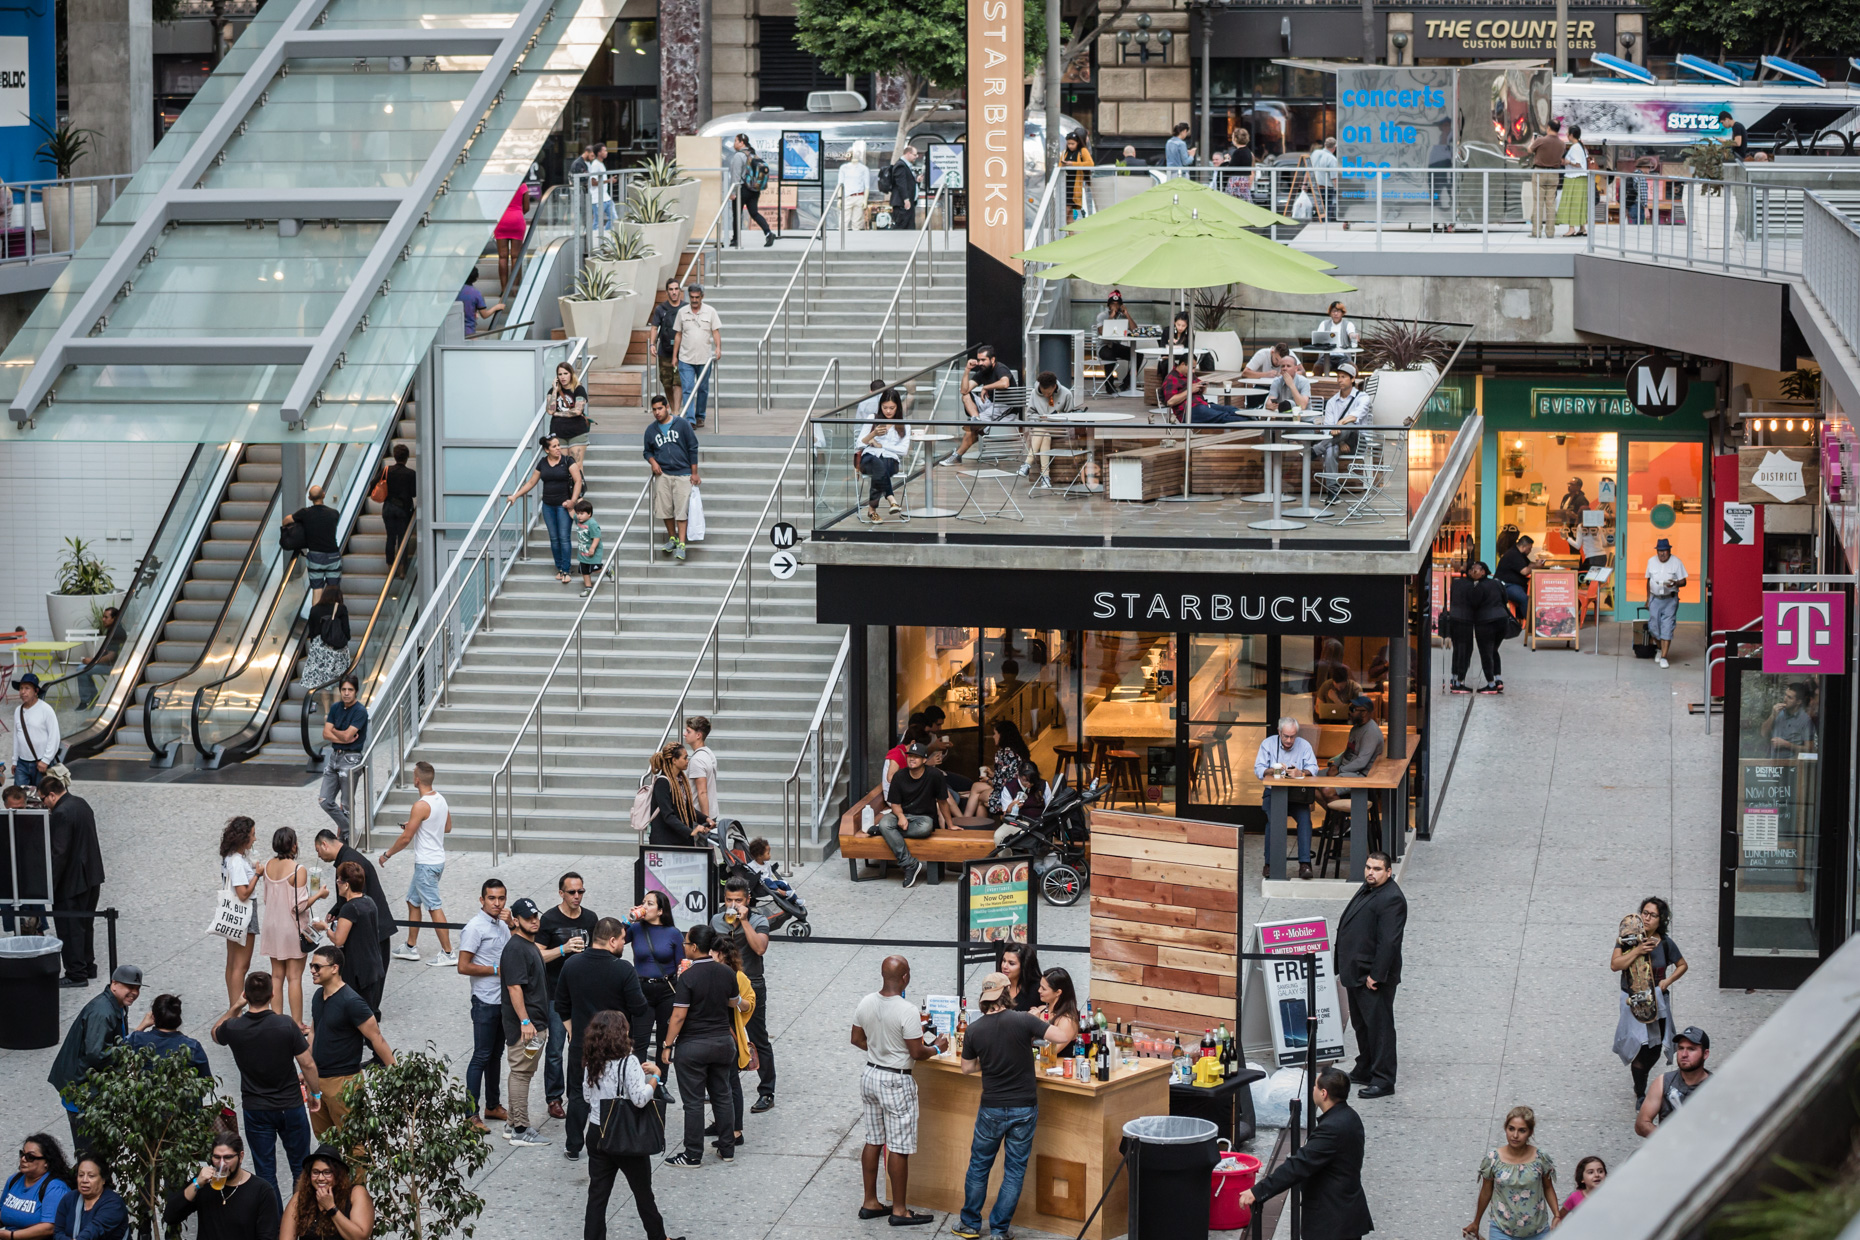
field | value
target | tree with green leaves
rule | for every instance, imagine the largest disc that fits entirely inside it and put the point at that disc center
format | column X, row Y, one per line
column 1786, row 28
column 925, row 42
column 413, row 1125
column 150, row 1115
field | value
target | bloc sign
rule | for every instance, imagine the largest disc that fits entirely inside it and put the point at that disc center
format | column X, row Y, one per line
column 1804, row 634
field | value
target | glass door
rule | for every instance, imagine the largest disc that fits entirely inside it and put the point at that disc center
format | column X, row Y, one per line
column 1664, row 483
column 1223, row 699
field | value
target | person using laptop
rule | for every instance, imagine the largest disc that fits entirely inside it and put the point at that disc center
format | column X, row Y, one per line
column 1114, row 327
column 1338, row 333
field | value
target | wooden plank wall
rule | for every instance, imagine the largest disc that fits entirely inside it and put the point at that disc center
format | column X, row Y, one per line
column 1164, row 895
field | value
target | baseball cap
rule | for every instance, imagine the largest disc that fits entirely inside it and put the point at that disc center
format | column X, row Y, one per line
column 917, row 749
column 127, row 975
column 1347, row 368
column 1362, row 700
column 1115, row 296
column 525, row 908
column 994, row 986
column 1693, row 1034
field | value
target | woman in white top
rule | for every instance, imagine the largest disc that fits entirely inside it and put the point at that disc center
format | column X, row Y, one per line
column 855, row 186
column 236, row 872
column 614, row 1075
column 1572, row 207
column 881, row 452
column 1343, row 335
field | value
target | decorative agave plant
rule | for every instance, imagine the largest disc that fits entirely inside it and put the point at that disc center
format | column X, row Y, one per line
column 663, row 170
column 643, row 207
column 593, row 284
column 1404, row 346
column 622, row 245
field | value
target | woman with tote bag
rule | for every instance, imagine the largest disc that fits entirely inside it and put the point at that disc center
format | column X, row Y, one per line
column 238, row 881
column 628, row 1128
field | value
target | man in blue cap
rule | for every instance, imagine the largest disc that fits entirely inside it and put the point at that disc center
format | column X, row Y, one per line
column 35, row 733
column 1666, row 577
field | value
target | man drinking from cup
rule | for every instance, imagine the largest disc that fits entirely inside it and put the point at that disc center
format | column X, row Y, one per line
column 1287, row 753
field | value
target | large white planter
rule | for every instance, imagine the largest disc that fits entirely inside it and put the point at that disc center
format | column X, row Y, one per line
column 628, row 274
column 70, row 214
column 1707, row 214
column 1400, row 394
column 666, row 239
column 72, row 611
column 606, row 325
column 683, row 200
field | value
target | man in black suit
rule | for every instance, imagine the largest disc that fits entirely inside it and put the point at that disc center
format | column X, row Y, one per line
column 1330, row 1166
column 904, row 190
column 594, row 981
column 77, row 877
column 1368, row 961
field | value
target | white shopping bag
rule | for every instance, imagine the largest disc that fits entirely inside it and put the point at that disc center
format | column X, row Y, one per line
column 1302, row 206
column 694, row 517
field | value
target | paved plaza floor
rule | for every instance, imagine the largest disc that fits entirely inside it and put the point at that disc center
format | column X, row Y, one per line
column 1583, row 789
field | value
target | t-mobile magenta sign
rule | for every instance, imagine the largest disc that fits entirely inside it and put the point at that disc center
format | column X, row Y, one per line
column 1804, row 633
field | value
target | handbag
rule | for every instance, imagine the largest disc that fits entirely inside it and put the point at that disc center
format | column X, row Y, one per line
column 293, row 537
column 378, row 491
column 626, row 1131
column 232, row 918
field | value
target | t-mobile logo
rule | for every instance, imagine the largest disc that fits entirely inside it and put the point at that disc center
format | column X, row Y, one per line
column 1803, row 633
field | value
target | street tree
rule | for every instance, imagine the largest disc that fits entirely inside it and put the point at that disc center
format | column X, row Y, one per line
column 418, row 1148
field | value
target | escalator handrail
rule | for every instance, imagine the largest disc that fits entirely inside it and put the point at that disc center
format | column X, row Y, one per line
column 271, row 613
column 141, row 579
column 310, row 691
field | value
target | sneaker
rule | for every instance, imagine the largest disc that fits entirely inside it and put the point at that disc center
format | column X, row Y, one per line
column 1492, row 688
column 916, row 872
column 507, row 1132
column 1458, row 687
column 671, row 545
column 964, row 1232
column 444, row 960
column 891, row 502
column 406, row 951
column 768, row 239
column 682, row 1159
column 529, row 1136
column 586, row 590
column 572, row 1155
column 680, row 553
column 954, row 458
column 1662, row 660
column 1024, row 470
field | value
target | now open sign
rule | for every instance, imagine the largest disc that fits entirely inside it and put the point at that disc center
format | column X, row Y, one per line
column 1804, row 633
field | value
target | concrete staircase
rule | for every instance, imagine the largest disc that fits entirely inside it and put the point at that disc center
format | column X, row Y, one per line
column 860, row 285
column 593, row 757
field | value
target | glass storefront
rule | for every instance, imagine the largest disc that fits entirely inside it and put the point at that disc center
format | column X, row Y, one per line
column 1665, row 499
column 1776, row 816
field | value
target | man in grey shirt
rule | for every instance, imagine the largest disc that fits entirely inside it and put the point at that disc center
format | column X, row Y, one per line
column 1360, row 751
column 1790, row 729
column 1291, row 386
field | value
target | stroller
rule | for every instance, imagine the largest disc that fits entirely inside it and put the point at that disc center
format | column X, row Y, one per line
column 781, row 910
column 1056, row 840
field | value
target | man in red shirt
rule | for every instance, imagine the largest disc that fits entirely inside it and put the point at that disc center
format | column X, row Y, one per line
column 1178, row 390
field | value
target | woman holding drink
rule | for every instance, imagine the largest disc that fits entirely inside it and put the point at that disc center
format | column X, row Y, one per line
column 658, row 947
column 232, row 1203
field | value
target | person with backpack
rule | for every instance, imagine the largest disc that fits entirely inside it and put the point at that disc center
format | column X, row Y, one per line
column 899, row 181
column 752, row 180
column 664, row 804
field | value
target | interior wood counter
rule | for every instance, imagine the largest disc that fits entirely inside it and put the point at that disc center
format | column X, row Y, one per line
column 1074, row 1147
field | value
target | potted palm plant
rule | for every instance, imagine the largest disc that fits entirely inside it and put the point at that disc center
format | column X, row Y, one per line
column 85, row 588
column 596, row 311
column 1404, row 359
column 629, row 262
column 652, row 218
column 668, row 182
column 70, row 210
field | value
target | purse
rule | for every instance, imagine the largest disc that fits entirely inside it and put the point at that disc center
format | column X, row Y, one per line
column 232, row 918
column 625, row 1130
column 378, row 492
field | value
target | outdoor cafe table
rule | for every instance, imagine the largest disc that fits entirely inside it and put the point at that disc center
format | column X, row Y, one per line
column 1387, row 777
column 929, row 509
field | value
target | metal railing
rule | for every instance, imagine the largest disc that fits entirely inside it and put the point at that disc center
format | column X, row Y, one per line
column 1831, row 265
column 713, row 275
column 460, row 608
column 909, row 277
column 1046, row 226
column 503, row 777
column 816, row 744
column 784, row 309
column 398, row 572
column 65, row 210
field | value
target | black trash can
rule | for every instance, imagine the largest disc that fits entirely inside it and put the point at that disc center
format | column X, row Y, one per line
column 1172, row 1160
column 29, row 966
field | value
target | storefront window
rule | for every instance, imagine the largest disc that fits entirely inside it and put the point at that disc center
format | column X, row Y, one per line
column 1027, row 681
column 1128, row 702
column 1227, row 704
column 1560, row 489
column 1777, row 815
column 936, row 667
column 1665, row 499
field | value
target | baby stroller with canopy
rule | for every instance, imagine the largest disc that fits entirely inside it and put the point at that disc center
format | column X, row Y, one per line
column 782, row 908
column 1057, row 840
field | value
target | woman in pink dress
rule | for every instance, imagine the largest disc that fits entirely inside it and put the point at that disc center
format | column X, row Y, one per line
column 509, row 234
column 284, row 918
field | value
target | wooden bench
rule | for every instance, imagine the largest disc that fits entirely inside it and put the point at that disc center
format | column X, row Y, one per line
column 952, row 846
column 1151, row 472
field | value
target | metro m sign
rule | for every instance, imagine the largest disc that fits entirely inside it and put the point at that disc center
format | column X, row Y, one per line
column 1804, row 634
column 1656, row 385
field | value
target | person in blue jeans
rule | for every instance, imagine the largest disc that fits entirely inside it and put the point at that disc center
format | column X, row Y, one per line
column 269, row 1048
column 697, row 343
column 996, row 1047
column 560, row 475
column 481, row 949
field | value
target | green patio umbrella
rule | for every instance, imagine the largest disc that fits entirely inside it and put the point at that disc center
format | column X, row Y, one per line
column 1183, row 254
column 1212, row 202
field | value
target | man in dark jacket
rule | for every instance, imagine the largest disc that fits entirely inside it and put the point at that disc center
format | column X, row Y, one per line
column 592, row 982
column 100, row 1025
column 333, row 853
column 1330, row 1166
column 1477, row 617
column 1368, row 962
column 904, row 190
column 77, row 877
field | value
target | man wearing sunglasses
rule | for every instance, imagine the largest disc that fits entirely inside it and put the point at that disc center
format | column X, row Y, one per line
column 341, row 1021
column 566, row 929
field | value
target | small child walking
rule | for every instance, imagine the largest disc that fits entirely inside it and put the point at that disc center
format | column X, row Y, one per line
column 587, row 540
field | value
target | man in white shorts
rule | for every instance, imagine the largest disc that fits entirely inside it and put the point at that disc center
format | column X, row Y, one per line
column 887, row 1028
column 428, row 824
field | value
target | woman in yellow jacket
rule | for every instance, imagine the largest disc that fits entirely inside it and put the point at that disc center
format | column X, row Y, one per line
column 1078, row 155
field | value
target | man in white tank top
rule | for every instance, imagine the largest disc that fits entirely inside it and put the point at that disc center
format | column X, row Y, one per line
column 426, row 828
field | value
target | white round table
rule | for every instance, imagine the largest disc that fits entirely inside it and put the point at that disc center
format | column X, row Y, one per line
column 1272, row 427
column 1084, row 416
column 1304, row 508
column 929, row 510
column 1276, row 454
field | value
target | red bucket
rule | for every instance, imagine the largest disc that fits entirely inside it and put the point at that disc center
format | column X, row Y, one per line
column 1225, row 1213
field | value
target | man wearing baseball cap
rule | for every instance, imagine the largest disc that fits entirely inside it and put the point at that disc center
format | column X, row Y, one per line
column 996, row 1046
column 100, row 1025
column 526, row 1025
column 35, row 733
column 1362, row 748
column 1666, row 577
column 1691, row 1047
column 1349, row 407
column 918, row 801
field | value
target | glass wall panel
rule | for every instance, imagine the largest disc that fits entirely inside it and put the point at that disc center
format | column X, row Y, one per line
column 1560, row 489
column 1027, row 681
column 936, row 667
column 1128, row 695
column 1777, row 816
column 1665, row 499
column 1228, row 687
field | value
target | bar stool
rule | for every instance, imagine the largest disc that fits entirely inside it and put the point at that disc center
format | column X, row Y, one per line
column 1332, row 833
column 1098, row 762
column 1069, row 757
column 1216, row 769
column 1126, row 770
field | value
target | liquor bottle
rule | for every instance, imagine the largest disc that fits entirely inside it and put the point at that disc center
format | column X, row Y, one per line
column 1104, row 1059
column 1179, row 1064
column 1220, row 1051
column 962, row 1026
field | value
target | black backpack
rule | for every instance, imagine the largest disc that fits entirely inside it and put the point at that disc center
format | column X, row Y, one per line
column 756, row 175
column 886, row 179
column 335, row 630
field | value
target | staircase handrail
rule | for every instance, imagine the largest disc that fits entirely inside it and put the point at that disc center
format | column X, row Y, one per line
column 396, row 713
column 783, row 314
column 909, row 276
column 716, row 222
column 1045, row 228
column 815, row 740
column 502, row 775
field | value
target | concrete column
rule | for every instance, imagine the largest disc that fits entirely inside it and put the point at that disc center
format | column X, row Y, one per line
column 294, row 478
column 110, row 77
column 682, row 68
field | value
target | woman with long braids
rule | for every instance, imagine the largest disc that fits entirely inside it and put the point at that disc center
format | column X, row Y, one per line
column 675, row 818
column 616, row 1077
